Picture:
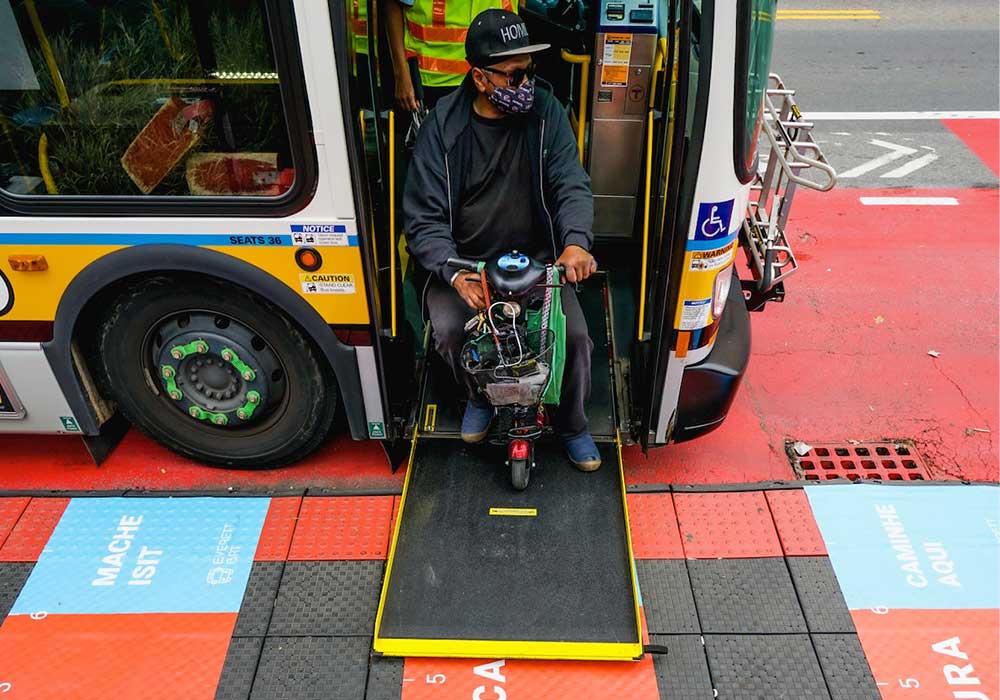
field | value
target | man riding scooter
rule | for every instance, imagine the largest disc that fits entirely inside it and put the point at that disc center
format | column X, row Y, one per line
column 495, row 169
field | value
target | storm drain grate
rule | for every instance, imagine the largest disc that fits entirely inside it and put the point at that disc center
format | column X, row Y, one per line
column 882, row 461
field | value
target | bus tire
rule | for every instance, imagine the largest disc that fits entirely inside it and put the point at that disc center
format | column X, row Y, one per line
column 242, row 346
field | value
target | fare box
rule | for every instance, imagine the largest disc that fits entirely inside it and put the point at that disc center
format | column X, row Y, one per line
column 146, row 555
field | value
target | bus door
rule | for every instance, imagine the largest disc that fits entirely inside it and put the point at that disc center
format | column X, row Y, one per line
column 687, row 273
column 376, row 132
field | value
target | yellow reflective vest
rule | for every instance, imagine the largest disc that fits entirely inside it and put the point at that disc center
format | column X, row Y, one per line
column 435, row 36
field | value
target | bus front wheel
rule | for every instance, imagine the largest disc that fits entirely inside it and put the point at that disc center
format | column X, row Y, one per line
column 215, row 373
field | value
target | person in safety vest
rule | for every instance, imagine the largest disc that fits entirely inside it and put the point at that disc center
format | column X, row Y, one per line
column 431, row 33
column 496, row 168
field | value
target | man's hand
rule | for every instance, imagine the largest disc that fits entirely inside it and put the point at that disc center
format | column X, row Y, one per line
column 470, row 289
column 577, row 263
column 405, row 94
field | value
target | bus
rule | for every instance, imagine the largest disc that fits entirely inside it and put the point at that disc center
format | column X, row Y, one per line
column 200, row 227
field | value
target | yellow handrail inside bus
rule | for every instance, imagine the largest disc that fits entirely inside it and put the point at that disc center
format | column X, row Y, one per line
column 392, row 218
column 43, row 165
column 162, row 24
column 584, row 61
column 659, row 63
column 645, row 225
column 50, row 59
column 371, row 216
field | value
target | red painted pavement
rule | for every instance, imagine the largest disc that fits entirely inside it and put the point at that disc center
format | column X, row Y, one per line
column 982, row 136
column 152, row 656
column 930, row 654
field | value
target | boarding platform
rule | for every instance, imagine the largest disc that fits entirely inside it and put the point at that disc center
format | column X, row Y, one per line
column 831, row 590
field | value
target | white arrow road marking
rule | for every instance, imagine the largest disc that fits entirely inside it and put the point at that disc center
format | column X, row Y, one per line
column 895, row 153
column 915, row 164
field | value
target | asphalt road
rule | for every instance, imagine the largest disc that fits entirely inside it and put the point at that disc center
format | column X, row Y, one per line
column 917, row 56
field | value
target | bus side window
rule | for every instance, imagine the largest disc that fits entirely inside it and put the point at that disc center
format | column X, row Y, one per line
column 158, row 97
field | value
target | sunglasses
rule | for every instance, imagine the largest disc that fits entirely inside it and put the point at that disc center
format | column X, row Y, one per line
column 515, row 77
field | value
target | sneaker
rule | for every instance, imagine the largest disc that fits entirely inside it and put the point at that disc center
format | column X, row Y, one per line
column 583, row 452
column 476, row 421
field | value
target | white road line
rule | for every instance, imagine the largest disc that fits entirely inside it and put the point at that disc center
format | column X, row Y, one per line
column 915, row 164
column 897, row 116
column 911, row 201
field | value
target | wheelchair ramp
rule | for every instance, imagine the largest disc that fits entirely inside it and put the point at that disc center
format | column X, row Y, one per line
column 477, row 569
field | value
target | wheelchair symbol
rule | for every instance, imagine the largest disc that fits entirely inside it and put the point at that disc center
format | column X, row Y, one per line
column 712, row 226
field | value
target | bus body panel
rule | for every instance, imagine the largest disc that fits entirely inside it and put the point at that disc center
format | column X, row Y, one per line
column 31, row 400
column 719, row 195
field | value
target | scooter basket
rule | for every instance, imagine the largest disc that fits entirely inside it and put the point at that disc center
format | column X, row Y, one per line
column 521, row 380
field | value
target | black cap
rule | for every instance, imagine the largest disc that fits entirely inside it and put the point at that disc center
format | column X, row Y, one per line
column 496, row 35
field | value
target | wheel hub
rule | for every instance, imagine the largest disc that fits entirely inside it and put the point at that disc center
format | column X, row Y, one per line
column 215, row 369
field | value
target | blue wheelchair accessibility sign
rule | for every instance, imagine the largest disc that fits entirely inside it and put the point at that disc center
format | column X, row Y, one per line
column 713, row 221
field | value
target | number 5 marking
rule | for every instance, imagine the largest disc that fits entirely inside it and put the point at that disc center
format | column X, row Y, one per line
column 435, row 679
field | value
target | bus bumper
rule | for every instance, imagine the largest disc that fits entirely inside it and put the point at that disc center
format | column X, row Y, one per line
column 709, row 387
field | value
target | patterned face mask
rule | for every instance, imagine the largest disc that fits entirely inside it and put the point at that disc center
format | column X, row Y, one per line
column 513, row 100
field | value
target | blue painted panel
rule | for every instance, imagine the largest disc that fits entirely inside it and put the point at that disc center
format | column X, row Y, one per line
column 146, row 555
column 916, row 547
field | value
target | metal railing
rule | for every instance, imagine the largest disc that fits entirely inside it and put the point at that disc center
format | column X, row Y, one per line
column 791, row 156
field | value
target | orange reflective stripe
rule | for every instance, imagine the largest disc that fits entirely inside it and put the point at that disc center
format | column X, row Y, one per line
column 451, row 35
column 360, row 27
column 442, row 65
column 437, row 13
column 507, row 5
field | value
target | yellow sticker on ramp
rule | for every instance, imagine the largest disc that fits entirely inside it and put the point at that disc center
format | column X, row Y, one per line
column 515, row 512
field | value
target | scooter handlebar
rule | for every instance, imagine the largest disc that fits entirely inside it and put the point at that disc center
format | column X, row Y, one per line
column 464, row 264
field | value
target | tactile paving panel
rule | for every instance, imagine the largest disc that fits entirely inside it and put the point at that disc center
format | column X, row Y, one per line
column 239, row 669
column 884, row 461
column 13, row 575
column 653, row 525
column 682, row 673
column 764, row 667
column 845, row 667
column 745, row 596
column 10, row 511
column 342, row 527
column 731, row 525
column 327, row 598
column 820, row 596
column 385, row 678
column 797, row 528
column 276, row 535
column 258, row 599
column 666, row 596
column 28, row 537
column 311, row 668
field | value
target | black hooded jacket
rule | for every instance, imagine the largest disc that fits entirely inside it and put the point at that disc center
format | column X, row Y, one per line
column 561, row 187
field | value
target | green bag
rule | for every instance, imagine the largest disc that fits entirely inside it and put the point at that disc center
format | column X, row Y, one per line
column 555, row 322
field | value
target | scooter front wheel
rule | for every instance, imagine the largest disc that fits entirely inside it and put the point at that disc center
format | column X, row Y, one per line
column 520, row 457
column 520, row 473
